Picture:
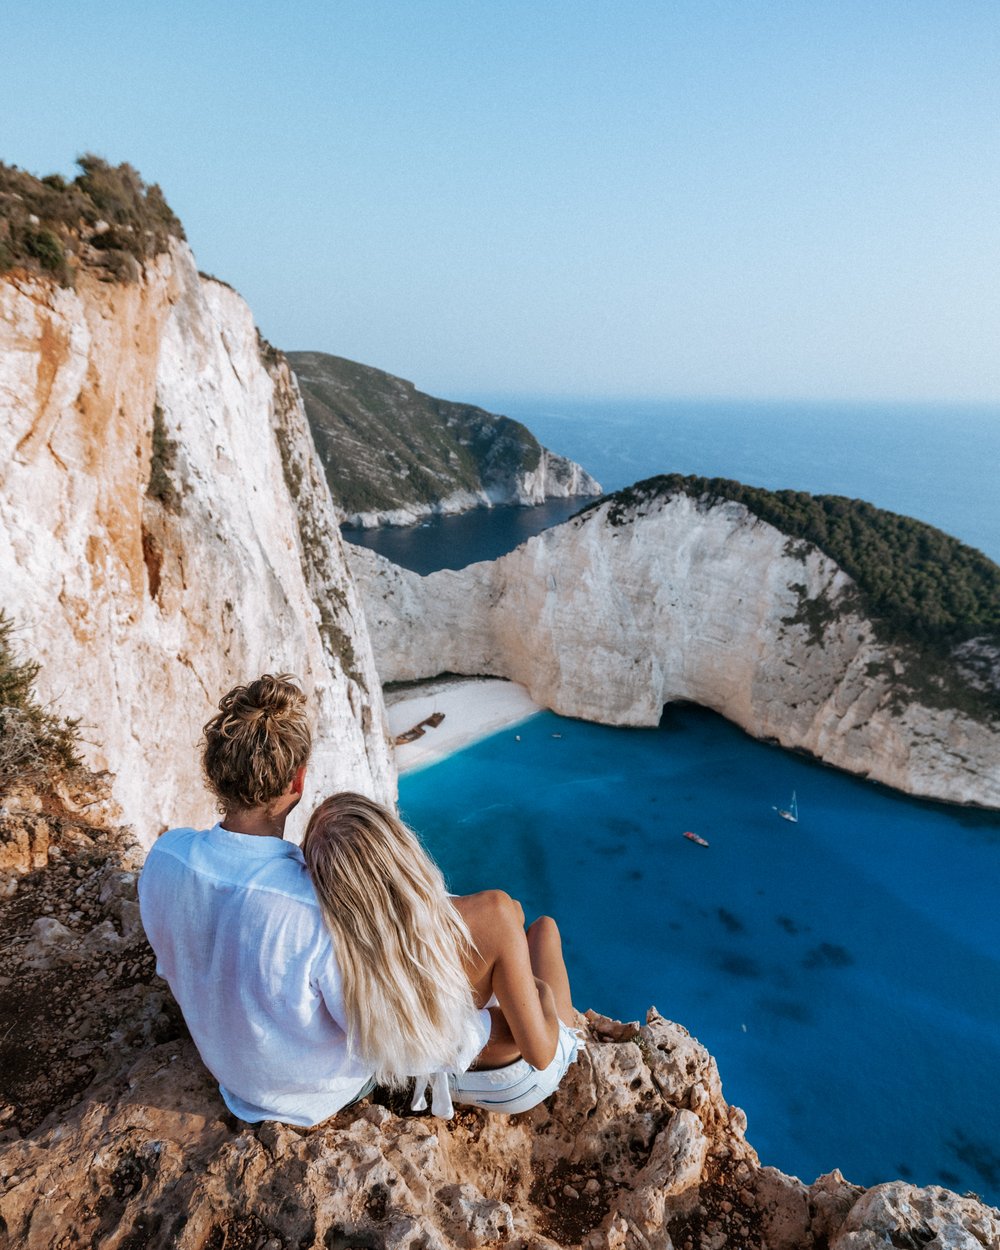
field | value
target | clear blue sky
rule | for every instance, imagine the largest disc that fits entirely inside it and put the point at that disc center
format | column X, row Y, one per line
column 761, row 198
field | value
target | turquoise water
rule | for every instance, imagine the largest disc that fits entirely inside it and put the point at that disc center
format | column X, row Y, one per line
column 844, row 971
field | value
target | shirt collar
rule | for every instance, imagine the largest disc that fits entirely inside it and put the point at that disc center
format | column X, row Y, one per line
column 252, row 844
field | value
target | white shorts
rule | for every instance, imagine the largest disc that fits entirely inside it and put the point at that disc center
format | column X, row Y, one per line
column 519, row 1086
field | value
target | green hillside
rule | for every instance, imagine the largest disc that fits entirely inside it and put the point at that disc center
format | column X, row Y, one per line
column 386, row 445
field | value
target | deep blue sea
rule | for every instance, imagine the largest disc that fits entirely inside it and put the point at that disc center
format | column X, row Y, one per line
column 844, row 971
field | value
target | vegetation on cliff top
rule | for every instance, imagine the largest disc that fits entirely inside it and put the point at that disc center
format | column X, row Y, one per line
column 107, row 218
column 933, row 600
column 385, row 445
column 915, row 581
column 33, row 741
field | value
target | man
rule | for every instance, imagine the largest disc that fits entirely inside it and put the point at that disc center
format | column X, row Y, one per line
column 236, row 927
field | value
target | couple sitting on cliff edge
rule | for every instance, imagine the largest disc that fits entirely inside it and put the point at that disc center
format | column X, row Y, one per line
column 306, row 976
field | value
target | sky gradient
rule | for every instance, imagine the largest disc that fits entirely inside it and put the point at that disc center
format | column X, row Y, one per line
column 711, row 198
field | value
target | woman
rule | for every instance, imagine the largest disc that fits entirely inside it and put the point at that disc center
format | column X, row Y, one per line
column 435, row 984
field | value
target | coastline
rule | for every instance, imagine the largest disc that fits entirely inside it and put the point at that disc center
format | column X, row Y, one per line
column 473, row 707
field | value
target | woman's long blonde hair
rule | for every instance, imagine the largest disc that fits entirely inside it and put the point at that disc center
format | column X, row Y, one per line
column 399, row 940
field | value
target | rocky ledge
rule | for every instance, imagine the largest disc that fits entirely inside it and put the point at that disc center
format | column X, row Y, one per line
column 113, row 1135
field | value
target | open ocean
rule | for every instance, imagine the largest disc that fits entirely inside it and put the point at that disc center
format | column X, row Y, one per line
column 844, row 971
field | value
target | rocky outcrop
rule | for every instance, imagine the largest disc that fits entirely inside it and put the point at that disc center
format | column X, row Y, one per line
column 615, row 613
column 112, row 1135
column 393, row 454
column 166, row 531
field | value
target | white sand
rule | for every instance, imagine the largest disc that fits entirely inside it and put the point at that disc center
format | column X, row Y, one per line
column 474, row 708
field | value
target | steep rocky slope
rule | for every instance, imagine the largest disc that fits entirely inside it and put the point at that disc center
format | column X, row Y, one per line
column 112, row 1135
column 659, row 595
column 166, row 529
column 393, row 454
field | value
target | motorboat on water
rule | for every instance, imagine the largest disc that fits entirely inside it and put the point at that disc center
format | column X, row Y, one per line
column 791, row 812
column 694, row 837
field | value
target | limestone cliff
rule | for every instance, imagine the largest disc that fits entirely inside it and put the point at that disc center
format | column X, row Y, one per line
column 393, row 454
column 112, row 1134
column 166, row 530
column 639, row 603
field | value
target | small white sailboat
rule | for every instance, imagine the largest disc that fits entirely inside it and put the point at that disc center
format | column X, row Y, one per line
column 791, row 812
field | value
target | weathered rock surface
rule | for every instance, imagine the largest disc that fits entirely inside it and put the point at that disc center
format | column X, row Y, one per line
column 166, row 531
column 393, row 454
column 112, row 1135
column 608, row 620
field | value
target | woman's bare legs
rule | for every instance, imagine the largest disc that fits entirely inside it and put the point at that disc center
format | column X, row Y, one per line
column 548, row 965
column 525, row 971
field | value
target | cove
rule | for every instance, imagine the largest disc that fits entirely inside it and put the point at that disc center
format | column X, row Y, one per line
column 844, row 971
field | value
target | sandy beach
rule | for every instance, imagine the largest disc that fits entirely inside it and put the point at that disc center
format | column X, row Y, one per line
column 473, row 707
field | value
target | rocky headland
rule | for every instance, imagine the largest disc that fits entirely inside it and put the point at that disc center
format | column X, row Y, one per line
column 393, row 454
column 679, row 589
column 166, row 530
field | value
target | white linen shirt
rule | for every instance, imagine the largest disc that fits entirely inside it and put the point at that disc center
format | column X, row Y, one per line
column 240, row 940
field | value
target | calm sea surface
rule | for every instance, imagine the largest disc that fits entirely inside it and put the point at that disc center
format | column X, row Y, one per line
column 844, row 971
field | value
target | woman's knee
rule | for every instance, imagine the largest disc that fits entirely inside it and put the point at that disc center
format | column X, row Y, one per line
column 544, row 929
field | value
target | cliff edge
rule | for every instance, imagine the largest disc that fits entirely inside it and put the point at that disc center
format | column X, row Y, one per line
column 393, row 454
column 166, row 529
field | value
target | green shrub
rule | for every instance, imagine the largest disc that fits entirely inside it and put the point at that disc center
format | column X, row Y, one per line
column 46, row 249
column 163, row 465
column 119, row 266
column 33, row 741
column 47, row 224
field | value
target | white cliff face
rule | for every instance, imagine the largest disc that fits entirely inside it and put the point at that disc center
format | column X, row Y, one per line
column 554, row 477
column 148, row 574
column 609, row 622
column 411, row 513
